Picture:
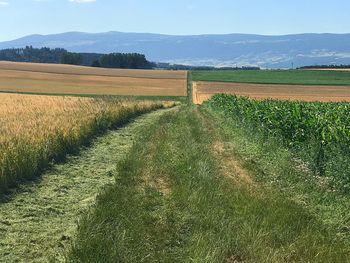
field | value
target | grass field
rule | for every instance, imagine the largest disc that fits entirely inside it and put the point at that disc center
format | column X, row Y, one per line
column 331, row 69
column 75, row 80
column 289, row 77
column 233, row 180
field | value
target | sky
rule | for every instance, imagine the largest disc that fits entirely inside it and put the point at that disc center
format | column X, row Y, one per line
column 180, row 17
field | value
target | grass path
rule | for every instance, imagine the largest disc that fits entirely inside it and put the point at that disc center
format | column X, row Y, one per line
column 181, row 196
column 38, row 222
column 273, row 166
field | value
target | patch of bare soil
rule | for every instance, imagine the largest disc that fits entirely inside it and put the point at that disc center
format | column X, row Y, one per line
column 229, row 164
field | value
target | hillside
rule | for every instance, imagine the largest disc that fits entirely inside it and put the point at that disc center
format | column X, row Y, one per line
column 212, row 50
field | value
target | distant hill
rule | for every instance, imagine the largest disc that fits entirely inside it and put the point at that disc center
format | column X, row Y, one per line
column 62, row 56
column 210, row 50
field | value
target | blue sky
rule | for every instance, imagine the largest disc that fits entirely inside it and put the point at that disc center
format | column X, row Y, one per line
column 22, row 17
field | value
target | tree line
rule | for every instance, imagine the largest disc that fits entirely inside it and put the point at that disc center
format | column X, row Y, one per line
column 326, row 67
column 124, row 60
column 62, row 56
column 30, row 54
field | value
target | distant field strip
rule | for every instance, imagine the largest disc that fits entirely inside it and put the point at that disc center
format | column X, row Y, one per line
column 66, row 79
column 203, row 91
column 81, row 70
column 332, row 69
column 282, row 77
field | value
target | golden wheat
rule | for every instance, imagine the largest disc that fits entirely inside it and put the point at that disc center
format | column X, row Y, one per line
column 35, row 130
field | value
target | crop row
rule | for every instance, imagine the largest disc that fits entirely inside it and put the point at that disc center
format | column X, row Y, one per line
column 318, row 133
column 36, row 130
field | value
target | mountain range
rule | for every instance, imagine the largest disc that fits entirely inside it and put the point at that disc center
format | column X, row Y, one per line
column 211, row 50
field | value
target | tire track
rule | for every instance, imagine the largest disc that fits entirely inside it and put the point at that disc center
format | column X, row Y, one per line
column 39, row 221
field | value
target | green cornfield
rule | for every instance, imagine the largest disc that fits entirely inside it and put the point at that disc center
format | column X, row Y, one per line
column 317, row 133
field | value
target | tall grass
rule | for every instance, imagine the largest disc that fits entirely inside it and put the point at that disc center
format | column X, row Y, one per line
column 37, row 130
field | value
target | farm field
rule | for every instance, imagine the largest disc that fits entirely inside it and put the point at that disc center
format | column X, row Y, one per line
column 316, row 132
column 34, row 130
column 288, row 77
column 233, row 180
column 76, row 80
column 82, row 70
column 39, row 223
column 304, row 85
column 332, row 69
column 203, row 91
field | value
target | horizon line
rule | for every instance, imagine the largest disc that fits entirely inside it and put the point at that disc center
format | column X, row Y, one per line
column 174, row 35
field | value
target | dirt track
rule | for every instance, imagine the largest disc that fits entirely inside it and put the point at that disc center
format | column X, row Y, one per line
column 203, row 91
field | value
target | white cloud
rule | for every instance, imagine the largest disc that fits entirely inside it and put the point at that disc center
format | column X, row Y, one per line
column 4, row 3
column 82, row 1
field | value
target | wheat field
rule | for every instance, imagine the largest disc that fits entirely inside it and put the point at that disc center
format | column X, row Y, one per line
column 83, row 70
column 35, row 130
column 78, row 80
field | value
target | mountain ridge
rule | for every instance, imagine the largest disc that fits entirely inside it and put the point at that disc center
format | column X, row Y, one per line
column 267, row 51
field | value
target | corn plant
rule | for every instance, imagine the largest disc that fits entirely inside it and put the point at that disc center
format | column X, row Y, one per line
column 317, row 132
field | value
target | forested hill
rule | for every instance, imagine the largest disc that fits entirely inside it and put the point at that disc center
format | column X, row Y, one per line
column 62, row 56
column 206, row 50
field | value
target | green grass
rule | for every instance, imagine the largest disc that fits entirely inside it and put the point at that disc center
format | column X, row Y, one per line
column 294, row 77
column 273, row 165
column 318, row 133
column 170, row 204
column 38, row 221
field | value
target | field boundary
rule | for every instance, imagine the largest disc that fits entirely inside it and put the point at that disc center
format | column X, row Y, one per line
column 132, row 97
column 272, row 83
column 189, row 88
